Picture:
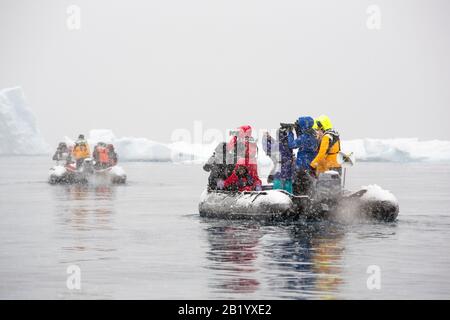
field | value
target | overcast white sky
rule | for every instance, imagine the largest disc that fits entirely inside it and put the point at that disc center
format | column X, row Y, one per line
column 145, row 68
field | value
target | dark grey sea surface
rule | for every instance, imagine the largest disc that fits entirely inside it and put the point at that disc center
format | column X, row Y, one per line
column 145, row 239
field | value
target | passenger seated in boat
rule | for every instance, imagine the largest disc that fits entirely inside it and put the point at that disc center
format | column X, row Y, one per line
column 282, row 158
column 62, row 153
column 112, row 154
column 220, row 165
column 243, row 178
column 101, row 156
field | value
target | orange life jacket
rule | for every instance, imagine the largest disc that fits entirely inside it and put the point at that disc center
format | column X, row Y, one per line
column 326, row 158
column 103, row 156
column 81, row 151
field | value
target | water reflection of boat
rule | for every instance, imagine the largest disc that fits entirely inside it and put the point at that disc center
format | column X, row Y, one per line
column 232, row 255
column 322, row 246
column 85, row 206
column 291, row 261
column 84, row 211
column 83, row 228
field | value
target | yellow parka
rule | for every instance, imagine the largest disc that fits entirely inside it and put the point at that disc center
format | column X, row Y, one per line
column 81, row 151
column 326, row 158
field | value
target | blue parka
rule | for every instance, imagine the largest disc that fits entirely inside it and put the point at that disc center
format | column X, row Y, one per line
column 306, row 143
column 280, row 153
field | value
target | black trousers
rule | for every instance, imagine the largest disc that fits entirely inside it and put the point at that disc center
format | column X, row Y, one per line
column 79, row 162
column 303, row 182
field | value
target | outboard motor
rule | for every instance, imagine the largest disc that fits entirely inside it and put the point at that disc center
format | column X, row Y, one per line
column 88, row 166
column 328, row 186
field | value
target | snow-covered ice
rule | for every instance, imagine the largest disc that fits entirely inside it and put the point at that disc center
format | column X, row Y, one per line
column 270, row 201
column 20, row 135
column 375, row 192
column 398, row 150
column 143, row 149
column 129, row 148
column 118, row 171
column 382, row 150
column 58, row 171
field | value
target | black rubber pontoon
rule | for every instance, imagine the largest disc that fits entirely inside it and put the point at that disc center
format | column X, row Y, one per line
column 281, row 205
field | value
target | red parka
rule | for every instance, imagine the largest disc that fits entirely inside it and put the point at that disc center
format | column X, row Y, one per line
column 249, row 182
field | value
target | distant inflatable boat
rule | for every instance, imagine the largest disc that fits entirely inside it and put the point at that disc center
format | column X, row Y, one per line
column 60, row 174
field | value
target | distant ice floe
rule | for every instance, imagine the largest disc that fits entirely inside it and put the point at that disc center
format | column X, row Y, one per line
column 142, row 149
column 19, row 134
column 370, row 150
column 398, row 150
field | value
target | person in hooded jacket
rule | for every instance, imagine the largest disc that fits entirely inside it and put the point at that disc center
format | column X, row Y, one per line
column 62, row 153
column 80, row 150
column 101, row 156
column 306, row 143
column 112, row 154
column 220, row 165
column 243, row 178
column 330, row 146
column 282, row 157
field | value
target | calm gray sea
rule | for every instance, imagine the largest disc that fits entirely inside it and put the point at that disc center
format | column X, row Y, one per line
column 145, row 240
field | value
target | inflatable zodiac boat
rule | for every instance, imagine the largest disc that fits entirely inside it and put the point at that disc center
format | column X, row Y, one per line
column 327, row 201
column 68, row 173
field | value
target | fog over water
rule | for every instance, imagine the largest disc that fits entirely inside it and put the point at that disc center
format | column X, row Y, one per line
column 146, row 68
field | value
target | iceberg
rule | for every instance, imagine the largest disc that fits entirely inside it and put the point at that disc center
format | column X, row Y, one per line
column 19, row 134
